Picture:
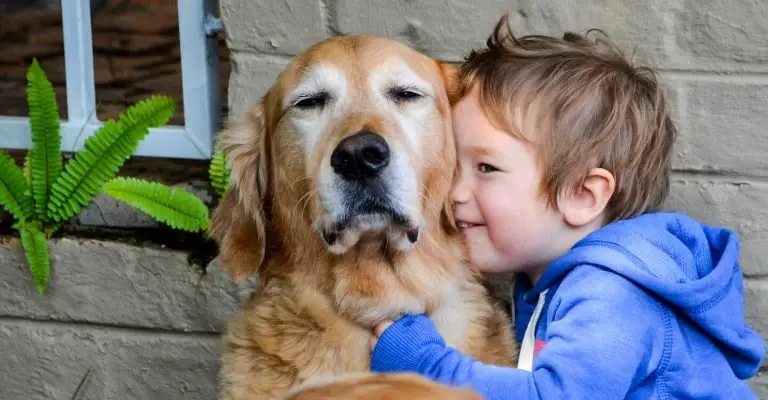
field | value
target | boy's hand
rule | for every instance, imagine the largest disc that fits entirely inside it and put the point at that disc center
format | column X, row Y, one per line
column 401, row 346
column 378, row 330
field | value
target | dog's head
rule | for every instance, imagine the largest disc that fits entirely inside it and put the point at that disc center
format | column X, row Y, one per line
column 352, row 144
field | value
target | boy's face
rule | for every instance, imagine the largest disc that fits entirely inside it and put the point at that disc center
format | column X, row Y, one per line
column 497, row 204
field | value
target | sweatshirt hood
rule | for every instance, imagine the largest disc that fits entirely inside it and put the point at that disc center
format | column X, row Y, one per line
column 691, row 266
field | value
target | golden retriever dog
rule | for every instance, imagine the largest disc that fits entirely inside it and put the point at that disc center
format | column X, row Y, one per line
column 340, row 199
column 377, row 387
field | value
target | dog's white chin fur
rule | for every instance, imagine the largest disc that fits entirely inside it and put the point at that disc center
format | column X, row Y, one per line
column 374, row 227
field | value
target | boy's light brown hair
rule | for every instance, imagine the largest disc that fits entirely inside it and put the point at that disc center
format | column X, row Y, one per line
column 591, row 108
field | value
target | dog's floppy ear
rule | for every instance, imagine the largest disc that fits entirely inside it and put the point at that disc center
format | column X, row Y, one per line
column 239, row 223
column 450, row 74
column 451, row 77
column 446, row 215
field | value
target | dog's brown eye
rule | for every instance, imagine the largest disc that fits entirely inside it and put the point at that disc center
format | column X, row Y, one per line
column 400, row 94
column 317, row 100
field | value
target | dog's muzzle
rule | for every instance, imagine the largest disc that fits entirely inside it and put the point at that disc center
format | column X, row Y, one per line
column 361, row 162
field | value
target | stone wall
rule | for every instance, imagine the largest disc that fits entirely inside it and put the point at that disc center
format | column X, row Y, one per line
column 127, row 321
column 713, row 55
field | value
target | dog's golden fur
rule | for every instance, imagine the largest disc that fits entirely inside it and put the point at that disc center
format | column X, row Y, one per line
column 379, row 387
column 315, row 309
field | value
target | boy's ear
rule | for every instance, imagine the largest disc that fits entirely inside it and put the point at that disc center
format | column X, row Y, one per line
column 588, row 201
column 450, row 73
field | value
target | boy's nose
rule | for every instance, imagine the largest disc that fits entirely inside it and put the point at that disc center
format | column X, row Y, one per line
column 461, row 193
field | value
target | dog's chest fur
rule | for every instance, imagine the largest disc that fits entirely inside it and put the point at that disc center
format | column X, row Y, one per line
column 346, row 341
column 369, row 292
column 450, row 303
column 292, row 331
column 342, row 311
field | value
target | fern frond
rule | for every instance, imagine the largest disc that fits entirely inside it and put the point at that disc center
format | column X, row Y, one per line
column 172, row 206
column 28, row 167
column 103, row 155
column 36, row 251
column 46, row 138
column 13, row 189
column 219, row 172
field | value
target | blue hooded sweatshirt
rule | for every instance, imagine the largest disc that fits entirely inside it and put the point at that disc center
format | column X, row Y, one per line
column 644, row 308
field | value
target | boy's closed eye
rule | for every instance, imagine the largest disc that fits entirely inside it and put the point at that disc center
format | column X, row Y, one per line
column 486, row 168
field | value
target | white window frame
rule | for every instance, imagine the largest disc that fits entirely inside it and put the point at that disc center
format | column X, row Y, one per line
column 200, row 85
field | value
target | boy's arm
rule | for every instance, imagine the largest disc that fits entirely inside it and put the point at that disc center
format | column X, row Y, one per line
column 595, row 347
column 412, row 344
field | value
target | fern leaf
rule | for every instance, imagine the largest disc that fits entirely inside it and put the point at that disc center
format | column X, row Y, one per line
column 172, row 206
column 28, row 167
column 219, row 172
column 13, row 189
column 103, row 155
column 36, row 251
column 46, row 138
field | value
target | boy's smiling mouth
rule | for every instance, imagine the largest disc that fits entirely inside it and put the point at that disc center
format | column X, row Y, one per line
column 466, row 225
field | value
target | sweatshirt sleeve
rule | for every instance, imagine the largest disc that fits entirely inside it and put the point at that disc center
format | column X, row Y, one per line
column 594, row 348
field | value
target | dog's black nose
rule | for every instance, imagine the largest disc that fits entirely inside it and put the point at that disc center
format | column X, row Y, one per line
column 362, row 155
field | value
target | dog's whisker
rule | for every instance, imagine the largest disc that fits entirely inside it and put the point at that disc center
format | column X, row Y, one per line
column 305, row 199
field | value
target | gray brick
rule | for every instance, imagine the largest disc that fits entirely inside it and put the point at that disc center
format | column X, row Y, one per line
column 119, row 284
column 47, row 361
column 722, row 34
column 448, row 29
column 755, row 304
column 723, row 126
column 676, row 99
column 675, row 95
column 737, row 205
column 285, row 26
column 250, row 79
column 759, row 385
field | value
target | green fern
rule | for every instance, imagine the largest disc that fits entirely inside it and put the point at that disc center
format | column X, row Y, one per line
column 42, row 195
column 103, row 155
column 219, row 172
column 36, row 251
column 45, row 157
column 14, row 196
column 174, row 207
column 28, row 167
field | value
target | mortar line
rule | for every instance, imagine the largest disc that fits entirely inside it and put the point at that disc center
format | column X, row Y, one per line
column 725, row 76
column 755, row 281
column 108, row 329
column 759, row 277
column 719, row 176
column 329, row 21
column 274, row 56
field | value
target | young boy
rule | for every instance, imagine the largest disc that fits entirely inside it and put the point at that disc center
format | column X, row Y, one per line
column 564, row 149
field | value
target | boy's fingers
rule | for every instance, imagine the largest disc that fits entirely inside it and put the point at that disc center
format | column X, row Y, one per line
column 380, row 328
column 377, row 331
